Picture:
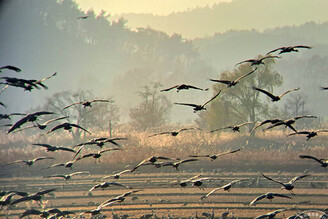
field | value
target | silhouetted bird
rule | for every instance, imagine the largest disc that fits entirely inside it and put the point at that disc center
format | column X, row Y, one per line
column 67, row 126
column 226, row 187
column 270, row 214
column 151, row 160
column 41, row 126
column 116, row 175
column 8, row 116
column 323, row 162
column 234, row 128
column 95, row 212
column 309, row 134
column 288, row 49
column 269, row 196
column 32, row 117
column 288, row 186
column 177, row 163
column 119, row 198
column 51, row 148
column 234, row 82
column 174, row 133
column 272, row 121
column 86, row 103
column 273, row 97
column 199, row 107
column 258, row 61
column 36, row 197
column 184, row 87
column 83, row 17
column 289, row 122
column 11, row 67
column 6, row 200
column 68, row 164
column 183, row 183
column 98, row 154
column 213, row 157
column 66, row 176
column 107, row 184
column 30, row 162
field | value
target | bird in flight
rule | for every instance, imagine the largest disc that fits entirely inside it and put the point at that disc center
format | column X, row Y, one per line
column 30, row 162
column 150, row 160
column 289, row 122
column 51, row 148
column 66, row 176
column 323, row 162
column 226, row 187
column 86, row 103
column 258, row 61
column 271, row 214
column 41, row 126
column 269, row 196
column 288, row 49
column 32, row 117
column 234, row 82
column 199, row 107
column 107, row 184
column 116, row 175
column 67, row 126
column 289, row 185
column 83, row 17
column 309, row 134
column 177, row 163
column 36, row 197
column 174, row 133
column 273, row 97
column 97, row 155
column 234, row 128
column 213, row 157
column 184, row 87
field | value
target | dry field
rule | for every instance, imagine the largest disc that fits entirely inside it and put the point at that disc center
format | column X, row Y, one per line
column 270, row 152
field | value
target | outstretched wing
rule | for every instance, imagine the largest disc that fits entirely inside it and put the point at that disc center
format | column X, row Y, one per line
column 66, row 149
column 248, row 60
column 269, row 57
column 257, row 199
column 228, row 152
column 11, row 67
column 45, row 191
column 56, row 119
column 104, row 101
column 241, row 77
column 221, row 81
column 212, row 98
column 18, row 124
column 297, row 178
column 72, row 105
column 187, row 104
column 77, row 126
column 272, row 51
column 56, row 128
column 299, row 133
column 170, row 88
column 161, row 133
column 211, row 192
column 281, row 195
column 272, row 179
column 42, row 158
column 310, row 157
column 301, row 46
column 265, row 92
column 288, row 92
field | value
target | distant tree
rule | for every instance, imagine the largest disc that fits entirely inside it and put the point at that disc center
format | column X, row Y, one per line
column 241, row 103
column 91, row 118
column 153, row 110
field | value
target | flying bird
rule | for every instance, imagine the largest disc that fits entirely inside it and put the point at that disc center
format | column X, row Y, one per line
column 10, row 67
column 68, row 164
column 273, row 97
column 83, row 17
column 41, row 126
column 98, row 154
column 86, row 103
column 177, row 163
column 8, row 116
column 120, row 198
column 309, row 134
column 258, row 61
column 289, row 185
column 213, row 157
column 184, row 87
column 272, row 121
column 107, row 184
column 150, row 160
column 226, row 187
column 234, row 128
column 116, row 175
column 183, row 183
column 199, row 107
column 67, row 126
column 36, row 197
column 66, row 176
column 174, row 133
column 32, row 117
column 52, row 148
column 289, row 49
column 289, row 122
column 323, row 162
column 30, row 162
column 6, row 200
column 95, row 212
column 270, row 214
column 234, row 82
column 269, row 196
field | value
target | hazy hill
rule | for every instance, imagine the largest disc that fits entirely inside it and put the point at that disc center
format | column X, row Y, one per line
column 236, row 15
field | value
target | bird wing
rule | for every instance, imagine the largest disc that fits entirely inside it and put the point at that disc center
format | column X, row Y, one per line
column 322, row 130
column 72, row 105
column 272, row 179
column 56, row 128
column 273, row 121
column 257, row 199
column 310, row 157
column 269, row 57
column 42, row 158
column 281, row 195
column 188, row 104
column 228, row 152
column 248, row 60
column 78, row 151
column 272, row 51
column 27, row 198
column 193, row 87
column 18, row 124
column 45, row 191
column 109, row 149
column 221, row 81
column 211, row 192
column 77, row 126
column 275, row 125
column 245, row 123
column 16, row 161
column 11, row 67
column 53, row 120
column 300, row 133
column 66, row 149
column 212, row 98
column 265, row 92
column 187, row 160
column 301, row 46
column 305, row 116
column 199, row 155
column 43, row 145
column 297, row 178
column 118, row 184
column 170, row 88
column 104, row 101
column 288, row 92
column 140, row 164
column 241, row 77
column 55, row 175
column 161, row 133
column 30, row 212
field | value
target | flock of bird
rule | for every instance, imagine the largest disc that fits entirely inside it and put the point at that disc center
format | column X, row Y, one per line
column 156, row 161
